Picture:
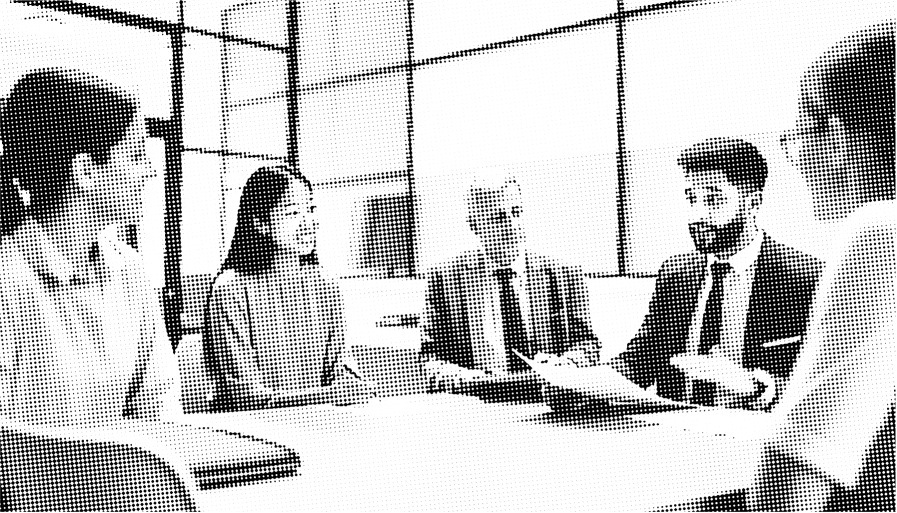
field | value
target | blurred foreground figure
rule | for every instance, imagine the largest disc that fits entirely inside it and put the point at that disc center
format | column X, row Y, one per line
column 81, row 334
column 833, row 447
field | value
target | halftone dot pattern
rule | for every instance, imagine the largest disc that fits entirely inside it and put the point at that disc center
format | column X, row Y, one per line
column 372, row 205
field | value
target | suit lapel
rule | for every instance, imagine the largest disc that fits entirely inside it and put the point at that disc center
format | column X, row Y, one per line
column 538, row 291
column 761, row 307
column 476, row 308
column 760, row 294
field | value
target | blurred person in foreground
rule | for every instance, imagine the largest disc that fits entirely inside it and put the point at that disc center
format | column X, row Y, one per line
column 833, row 442
column 81, row 334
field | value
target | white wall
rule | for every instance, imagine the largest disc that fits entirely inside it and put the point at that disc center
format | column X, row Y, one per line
column 617, row 307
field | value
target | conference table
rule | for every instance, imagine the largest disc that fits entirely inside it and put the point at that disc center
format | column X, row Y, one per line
column 426, row 452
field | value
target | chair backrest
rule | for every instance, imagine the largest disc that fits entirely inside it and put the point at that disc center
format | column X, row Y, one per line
column 196, row 384
column 46, row 469
column 195, row 290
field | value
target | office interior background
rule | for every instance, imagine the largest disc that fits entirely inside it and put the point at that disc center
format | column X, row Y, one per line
column 390, row 107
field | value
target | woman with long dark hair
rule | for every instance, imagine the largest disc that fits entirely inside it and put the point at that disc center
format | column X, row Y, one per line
column 81, row 337
column 274, row 324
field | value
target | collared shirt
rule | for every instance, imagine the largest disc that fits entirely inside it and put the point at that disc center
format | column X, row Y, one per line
column 737, row 286
column 80, row 350
column 493, row 355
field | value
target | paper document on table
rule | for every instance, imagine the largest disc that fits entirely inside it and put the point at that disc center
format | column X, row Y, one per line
column 599, row 382
column 733, row 422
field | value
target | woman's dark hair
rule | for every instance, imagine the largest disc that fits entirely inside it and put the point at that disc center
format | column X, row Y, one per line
column 51, row 116
column 251, row 251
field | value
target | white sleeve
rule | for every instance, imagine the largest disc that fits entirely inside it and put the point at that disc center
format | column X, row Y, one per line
column 843, row 383
column 156, row 388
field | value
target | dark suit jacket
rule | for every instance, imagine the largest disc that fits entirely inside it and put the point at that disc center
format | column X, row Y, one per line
column 781, row 296
column 453, row 318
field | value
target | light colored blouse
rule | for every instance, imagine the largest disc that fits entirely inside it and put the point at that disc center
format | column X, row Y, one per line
column 80, row 353
column 273, row 332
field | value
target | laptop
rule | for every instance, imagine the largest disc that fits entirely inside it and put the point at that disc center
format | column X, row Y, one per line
column 219, row 458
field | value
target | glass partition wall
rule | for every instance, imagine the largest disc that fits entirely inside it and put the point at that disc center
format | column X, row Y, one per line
column 390, row 107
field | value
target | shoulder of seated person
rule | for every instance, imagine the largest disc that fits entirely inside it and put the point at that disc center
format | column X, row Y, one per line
column 882, row 212
column 682, row 262
column 795, row 259
column 876, row 216
column 227, row 283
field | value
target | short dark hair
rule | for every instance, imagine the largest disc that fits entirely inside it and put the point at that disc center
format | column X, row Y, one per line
column 739, row 160
column 252, row 252
column 856, row 84
column 51, row 116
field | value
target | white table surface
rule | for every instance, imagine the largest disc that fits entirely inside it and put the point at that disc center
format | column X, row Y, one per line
column 441, row 452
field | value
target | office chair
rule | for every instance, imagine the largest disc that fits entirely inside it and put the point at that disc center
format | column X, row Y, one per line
column 83, row 469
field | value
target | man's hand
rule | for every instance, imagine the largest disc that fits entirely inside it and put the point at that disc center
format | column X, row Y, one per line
column 451, row 378
column 731, row 379
column 577, row 357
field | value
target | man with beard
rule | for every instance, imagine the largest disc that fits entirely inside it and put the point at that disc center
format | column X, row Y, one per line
column 726, row 322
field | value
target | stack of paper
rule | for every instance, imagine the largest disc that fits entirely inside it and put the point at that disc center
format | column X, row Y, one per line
column 601, row 383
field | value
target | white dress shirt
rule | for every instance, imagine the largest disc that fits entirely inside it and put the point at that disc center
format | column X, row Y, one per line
column 492, row 356
column 737, row 286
